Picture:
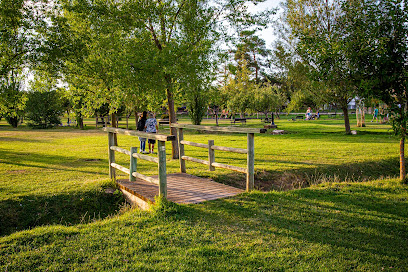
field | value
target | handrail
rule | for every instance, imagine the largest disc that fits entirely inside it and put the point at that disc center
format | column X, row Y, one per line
column 145, row 157
column 230, row 149
column 120, row 167
column 194, row 144
column 250, row 151
column 121, row 150
column 187, row 158
column 153, row 136
column 220, row 129
column 146, row 178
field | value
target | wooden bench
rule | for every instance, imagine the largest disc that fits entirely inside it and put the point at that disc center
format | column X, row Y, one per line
column 242, row 120
column 164, row 121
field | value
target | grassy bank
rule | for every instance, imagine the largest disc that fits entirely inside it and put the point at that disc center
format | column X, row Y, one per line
column 58, row 211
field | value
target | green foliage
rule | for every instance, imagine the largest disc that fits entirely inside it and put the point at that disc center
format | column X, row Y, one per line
column 267, row 98
column 197, row 105
column 320, row 37
column 239, row 90
column 12, row 100
column 43, row 109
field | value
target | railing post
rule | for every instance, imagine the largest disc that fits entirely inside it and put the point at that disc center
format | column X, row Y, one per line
column 211, row 154
column 162, row 169
column 133, row 164
column 250, row 162
column 181, row 151
column 111, row 140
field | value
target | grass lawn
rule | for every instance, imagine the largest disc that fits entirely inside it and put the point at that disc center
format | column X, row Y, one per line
column 58, row 214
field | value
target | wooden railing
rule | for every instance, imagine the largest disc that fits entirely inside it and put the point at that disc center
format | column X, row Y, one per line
column 132, row 170
column 250, row 151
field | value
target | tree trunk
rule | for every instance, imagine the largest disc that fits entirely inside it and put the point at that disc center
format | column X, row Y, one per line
column 402, row 158
column 172, row 117
column 114, row 124
column 136, row 118
column 346, row 119
column 358, row 117
column 216, row 116
column 80, row 122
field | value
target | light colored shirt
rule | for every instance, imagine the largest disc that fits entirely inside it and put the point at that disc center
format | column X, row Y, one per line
column 151, row 125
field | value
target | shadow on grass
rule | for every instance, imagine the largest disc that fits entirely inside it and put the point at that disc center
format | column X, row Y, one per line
column 68, row 209
column 362, row 226
column 54, row 162
column 304, row 177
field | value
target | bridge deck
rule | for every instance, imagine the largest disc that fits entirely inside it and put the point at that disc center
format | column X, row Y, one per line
column 181, row 188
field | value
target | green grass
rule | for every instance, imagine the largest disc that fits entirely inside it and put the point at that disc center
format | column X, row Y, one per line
column 56, row 213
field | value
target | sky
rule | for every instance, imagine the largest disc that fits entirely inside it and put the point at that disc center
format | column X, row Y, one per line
column 267, row 34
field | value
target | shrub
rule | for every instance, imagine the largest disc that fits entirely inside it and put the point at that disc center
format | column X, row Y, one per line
column 44, row 109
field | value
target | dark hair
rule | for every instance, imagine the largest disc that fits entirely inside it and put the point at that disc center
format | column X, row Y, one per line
column 144, row 115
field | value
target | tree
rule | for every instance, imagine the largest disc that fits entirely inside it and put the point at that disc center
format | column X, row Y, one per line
column 253, row 50
column 377, row 42
column 12, row 99
column 320, row 42
column 197, row 104
column 267, row 98
column 44, row 105
column 240, row 90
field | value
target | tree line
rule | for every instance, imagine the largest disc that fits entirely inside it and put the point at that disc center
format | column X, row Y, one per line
column 139, row 54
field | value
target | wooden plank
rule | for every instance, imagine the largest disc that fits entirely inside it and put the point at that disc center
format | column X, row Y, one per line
column 146, row 178
column 133, row 163
column 211, row 155
column 194, row 144
column 121, row 168
column 181, row 150
column 181, row 188
column 250, row 162
column 111, row 155
column 187, row 158
column 220, row 129
column 162, row 169
column 120, row 150
column 145, row 157
column 230, row 149
column 154, row 136
column 230, row 167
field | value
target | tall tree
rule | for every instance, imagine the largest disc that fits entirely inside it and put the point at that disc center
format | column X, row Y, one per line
column 378, row 46
column 317, row 27
column 12, row 99
column 253, row 50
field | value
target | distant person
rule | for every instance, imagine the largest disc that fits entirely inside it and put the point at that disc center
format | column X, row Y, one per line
column 141, row 127
column 316, row 115
column 308, row 115
column 151, row 127
column 375, row 115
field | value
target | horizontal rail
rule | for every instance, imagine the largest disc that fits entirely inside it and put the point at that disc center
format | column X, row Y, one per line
column 230, row 149
column 146, row 178
column 154, row 136
column 121, row 150
column 187, row 158
column 220, row 129
column 229, row 167
column 194, row 144
column 145, row 157
column 121, row 168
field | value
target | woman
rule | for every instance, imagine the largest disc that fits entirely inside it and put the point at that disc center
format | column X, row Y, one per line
column 141, row 127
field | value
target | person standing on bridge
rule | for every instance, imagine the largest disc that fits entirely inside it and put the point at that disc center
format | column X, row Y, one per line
column 141, row 127
column 151, row 127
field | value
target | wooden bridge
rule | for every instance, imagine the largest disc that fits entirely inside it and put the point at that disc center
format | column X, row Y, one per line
column 141, row 190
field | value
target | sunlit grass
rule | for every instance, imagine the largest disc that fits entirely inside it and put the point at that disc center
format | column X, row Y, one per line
column 56, row 214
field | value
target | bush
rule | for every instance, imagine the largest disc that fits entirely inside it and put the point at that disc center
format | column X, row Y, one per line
column 43, row 109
